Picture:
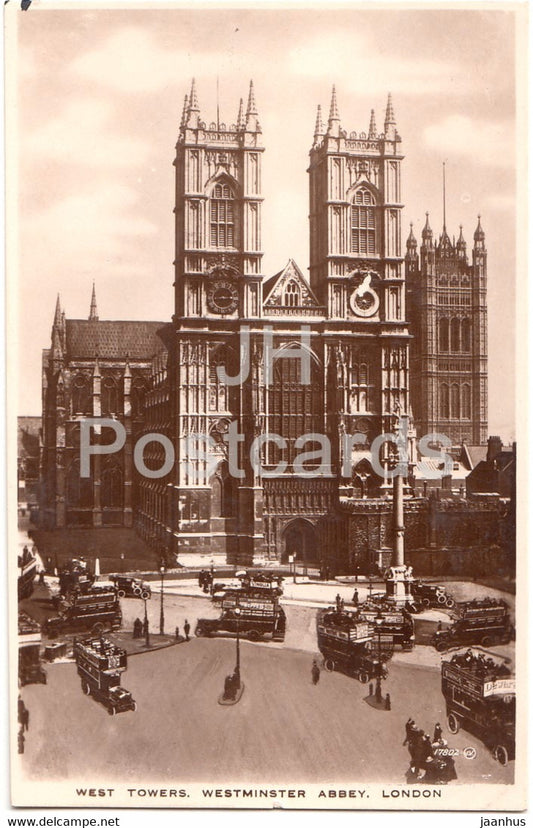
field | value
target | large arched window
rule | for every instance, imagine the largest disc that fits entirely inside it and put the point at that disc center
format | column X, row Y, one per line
column 444, row 401
column 79, row 489
column 454, row 402
column 291, row 297
column 466, row 407
column 363, row 222
column 465, row 335
column 455, row 337
column 359, row 388
column 112, row 489
column 444, row 335
column 110, row 396
column 221, row 394
column 138, row 392
column 294, row 407
column 81, row 395
column 222, row 216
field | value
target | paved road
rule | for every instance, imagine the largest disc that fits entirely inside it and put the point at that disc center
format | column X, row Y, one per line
column 283, row 729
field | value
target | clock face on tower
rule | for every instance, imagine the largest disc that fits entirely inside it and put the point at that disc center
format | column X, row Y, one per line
column 222, row 296
column 364, row 300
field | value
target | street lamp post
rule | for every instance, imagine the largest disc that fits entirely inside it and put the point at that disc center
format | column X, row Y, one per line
column 379, row 622
column 162, row 613
column 146, row 631
column 238, row 654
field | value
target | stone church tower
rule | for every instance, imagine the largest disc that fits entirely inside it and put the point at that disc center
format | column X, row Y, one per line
column 217, row 291
column 356, row 271
column 447, row 304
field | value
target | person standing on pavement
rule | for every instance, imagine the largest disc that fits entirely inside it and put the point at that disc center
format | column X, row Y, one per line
column 315, row 672
column 186, row 630
column 355, row 598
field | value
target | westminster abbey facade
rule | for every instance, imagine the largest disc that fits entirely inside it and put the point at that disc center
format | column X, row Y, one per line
column 385, row 337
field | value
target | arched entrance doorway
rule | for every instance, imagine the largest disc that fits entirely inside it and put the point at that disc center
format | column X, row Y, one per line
column 300, row 540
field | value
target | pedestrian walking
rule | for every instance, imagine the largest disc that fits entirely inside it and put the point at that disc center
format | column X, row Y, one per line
column 355, row 598
column 177, row 634
column 137, row 628
column 410, row 728
column 387, row 702
column 338, row 602
column 186, row 629
column 437, row 733
column 315, row 673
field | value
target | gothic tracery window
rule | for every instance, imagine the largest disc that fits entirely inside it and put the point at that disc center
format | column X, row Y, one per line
column 465, row 335
column 222, row 216
column 466, row 410
column 295, row 408
column 81, row 395
column 455, row 335
column 112, row 488
column 291, row 296
column 363, row 222
column 454, row 402
column 444, row 334
column 444, row 401
column 110, row 396
column 359, row 388
column 79, row 489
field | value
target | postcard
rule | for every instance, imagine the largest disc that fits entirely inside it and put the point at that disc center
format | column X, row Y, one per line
column 266, row 533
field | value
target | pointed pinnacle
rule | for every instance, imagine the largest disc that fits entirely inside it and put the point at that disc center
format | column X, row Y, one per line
column 251, row 109
column 333, row 110
column 319, row 126
column 57, row 314
column 93, row 313
column 193, row 98
column 389, row 114
column 184, row 113
column 372, row 130
column 240, row 116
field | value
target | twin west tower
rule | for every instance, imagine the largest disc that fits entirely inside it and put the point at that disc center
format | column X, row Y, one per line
column 354, row 322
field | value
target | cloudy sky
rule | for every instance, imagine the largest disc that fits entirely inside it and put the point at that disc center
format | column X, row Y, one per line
column 100, row 94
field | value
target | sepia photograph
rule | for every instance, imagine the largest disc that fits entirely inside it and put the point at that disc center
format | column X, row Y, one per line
column 266, row 542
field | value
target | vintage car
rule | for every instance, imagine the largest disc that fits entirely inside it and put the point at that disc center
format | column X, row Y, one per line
column 130, row 587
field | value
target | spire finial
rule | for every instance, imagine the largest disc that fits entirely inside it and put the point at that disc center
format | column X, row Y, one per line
column 184, row 113
column 319, row 126
column 333, row 110
column 372, row 129
column 252, row 119
column 93, row 313
column 479, row 235
column 334, row 121
column 240, row 117
column 251, row 109
column 193, row 98
column 444, row 196
column 57, row 314
column 427, row 232
column 411, row 240
column 390, row 120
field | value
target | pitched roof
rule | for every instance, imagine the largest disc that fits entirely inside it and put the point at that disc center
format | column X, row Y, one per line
column 274, row 287
column 474, row 454
column 112, row 340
